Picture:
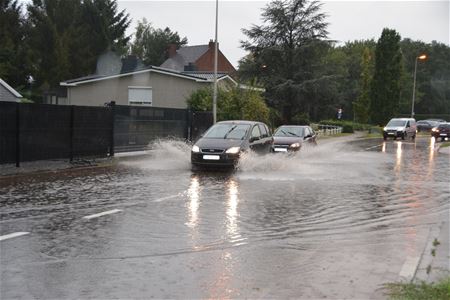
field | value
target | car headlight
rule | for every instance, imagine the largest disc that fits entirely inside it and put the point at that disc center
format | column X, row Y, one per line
column 295, row 145
column 434, row 129
column 195, row 149
column 233, row 150
column 384, row 129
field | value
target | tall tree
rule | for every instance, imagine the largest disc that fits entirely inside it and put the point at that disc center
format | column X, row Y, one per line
column 14, row 62
column 386, row 83
column 361, row 106
column 68, row 36
column 151, row 44
column 284, row 52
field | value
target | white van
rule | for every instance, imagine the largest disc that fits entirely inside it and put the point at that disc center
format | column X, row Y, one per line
column 400, row 127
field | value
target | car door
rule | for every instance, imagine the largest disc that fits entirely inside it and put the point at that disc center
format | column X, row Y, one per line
column 266, row 139
column 255, row 139
column 307, row 135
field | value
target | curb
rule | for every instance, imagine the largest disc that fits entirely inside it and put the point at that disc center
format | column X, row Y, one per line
column 434, row 262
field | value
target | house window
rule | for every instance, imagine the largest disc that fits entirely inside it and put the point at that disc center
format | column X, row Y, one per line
column 140, row 95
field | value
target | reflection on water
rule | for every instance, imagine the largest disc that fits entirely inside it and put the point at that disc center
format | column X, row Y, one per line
column 193, row 194
column 398, row 161
column 383, row 147
column 232, row 209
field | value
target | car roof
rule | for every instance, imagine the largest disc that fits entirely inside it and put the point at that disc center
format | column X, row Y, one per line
column 241, row 122
column 404, row 119
column 294, row 126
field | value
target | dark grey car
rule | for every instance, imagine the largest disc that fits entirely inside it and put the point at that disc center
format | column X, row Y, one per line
column 223, row 143
column 290, row 138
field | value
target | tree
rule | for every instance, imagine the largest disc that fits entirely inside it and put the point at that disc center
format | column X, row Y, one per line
column 14, row 51
column 386, row 83
column 361, row 106
column 284, row 52
column 232, row 104
column 151, row 44
column 68, row 36
column 106, row 26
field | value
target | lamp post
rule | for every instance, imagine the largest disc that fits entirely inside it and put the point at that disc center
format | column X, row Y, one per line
column 215, row 68
column 421, row 57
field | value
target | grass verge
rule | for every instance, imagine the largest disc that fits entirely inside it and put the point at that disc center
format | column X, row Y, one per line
column 445, row 144
column 422, row 291
column 333, row 135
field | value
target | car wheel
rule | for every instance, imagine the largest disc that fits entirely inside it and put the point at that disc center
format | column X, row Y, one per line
column 384, row 137
column 395, row 138
column 403, row 135
column 442, row 139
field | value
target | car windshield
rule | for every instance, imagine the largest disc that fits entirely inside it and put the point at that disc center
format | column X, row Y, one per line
column 290, row 131
column 227, row 131
column 396, row 123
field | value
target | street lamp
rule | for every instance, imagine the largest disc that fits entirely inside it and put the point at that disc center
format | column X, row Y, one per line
column 421, row 57
column 215, row 69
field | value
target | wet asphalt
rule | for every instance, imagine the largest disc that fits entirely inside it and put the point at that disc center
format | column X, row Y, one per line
column 335, row 221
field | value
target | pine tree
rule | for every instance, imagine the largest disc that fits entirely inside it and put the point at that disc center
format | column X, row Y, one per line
column 361, row 106
column 385, row 86
column 14, row 58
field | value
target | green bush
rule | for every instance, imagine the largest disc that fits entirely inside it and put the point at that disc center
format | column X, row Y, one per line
column 301, row 119
column 355, row 126
column 347, row 128
column 232, row 104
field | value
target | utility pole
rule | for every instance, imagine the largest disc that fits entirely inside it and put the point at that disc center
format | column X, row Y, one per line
column 215, row 67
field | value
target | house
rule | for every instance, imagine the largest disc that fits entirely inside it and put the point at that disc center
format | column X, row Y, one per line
column 148, row 86
column 198, row 58
column 7, row 93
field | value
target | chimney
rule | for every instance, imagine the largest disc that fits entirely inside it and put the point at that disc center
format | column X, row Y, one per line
column 171, row 50
column 211, row 45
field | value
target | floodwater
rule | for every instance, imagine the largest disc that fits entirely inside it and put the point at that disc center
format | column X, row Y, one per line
column 337, row 220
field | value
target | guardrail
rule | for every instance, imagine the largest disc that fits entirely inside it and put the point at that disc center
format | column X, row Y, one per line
column 328, row 129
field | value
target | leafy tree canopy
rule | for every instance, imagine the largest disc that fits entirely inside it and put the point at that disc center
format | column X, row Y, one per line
column 151, row 44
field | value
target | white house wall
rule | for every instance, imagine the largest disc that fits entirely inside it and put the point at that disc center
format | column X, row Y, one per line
column 168, row 91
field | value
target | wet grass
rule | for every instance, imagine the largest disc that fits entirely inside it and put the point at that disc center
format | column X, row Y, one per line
column 445, row 144
column 411, row 291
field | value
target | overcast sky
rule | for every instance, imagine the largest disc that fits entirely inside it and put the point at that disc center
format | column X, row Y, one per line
column 349, row 20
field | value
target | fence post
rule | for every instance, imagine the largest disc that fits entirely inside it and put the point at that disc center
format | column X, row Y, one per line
column 72, row 121
column 188, row 124
column 113, row 112
column 17, row 134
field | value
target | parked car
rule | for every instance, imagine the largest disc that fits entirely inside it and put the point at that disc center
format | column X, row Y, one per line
column 426, row 125
column 400, row 127
column 290, row 138
column 441, row 131
column 223, row 143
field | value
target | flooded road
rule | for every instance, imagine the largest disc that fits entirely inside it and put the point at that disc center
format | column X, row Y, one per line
column 337, row 220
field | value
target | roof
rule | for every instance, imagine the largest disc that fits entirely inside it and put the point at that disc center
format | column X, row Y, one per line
column 10, row 89
column 184, row 56
column 186, row 75
column 205, row 75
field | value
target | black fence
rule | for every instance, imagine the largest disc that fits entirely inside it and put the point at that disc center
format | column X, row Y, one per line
column 31, row 132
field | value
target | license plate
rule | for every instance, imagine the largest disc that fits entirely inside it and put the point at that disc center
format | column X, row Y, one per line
column 443, row 134
column 280, row 149
column 211, row 157
column 391, row 133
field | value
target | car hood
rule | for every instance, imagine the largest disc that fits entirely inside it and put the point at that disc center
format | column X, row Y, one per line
column 395, row 128
column 219, row 143
column 283, row 140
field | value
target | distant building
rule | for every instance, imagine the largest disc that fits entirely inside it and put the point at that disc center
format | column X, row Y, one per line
column 200, row 58
column 7, row 93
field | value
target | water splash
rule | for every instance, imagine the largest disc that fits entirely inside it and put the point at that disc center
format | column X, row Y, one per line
column 165, row 154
